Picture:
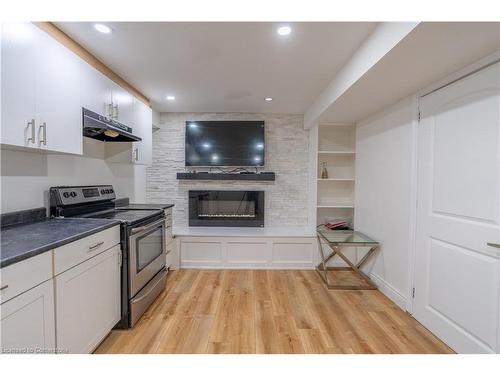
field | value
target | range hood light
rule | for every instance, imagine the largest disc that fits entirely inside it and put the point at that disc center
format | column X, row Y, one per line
column 111, row 133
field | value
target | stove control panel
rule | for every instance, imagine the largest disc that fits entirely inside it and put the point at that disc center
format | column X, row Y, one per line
column 70, row 195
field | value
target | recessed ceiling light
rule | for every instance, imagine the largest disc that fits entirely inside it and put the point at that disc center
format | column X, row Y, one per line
column 170, row 97
column 102, row 28
column 284, row 30
column 268, row 99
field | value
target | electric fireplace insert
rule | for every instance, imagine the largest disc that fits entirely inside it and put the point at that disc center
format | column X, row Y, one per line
column 226, row 208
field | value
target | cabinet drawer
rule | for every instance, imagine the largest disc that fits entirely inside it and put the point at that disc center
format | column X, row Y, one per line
column 76, row 252
column 19, row 277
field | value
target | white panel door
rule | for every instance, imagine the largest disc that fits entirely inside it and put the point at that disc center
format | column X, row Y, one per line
column 457, row 274
column 27, row 322
column 58, row 108
column 88, row 302
column 18, row 84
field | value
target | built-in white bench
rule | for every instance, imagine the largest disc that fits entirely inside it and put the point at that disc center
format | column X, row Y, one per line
column 227, row 247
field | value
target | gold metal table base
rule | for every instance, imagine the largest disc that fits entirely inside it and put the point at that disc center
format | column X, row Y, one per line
column 322, row 268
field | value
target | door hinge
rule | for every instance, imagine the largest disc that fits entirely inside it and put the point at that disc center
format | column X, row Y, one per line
column 419, row 117
column 413, row 293
column 120, row 258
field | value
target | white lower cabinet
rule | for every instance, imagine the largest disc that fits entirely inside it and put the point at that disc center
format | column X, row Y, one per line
column 88, row 302
column 27, row 321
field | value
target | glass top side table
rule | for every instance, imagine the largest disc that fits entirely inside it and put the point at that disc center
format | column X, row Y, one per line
column 337, row 240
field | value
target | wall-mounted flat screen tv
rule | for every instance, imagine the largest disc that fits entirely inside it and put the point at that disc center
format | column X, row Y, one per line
column 224, row 143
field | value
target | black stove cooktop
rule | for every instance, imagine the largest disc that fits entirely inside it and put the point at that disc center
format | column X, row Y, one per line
column 130, row 217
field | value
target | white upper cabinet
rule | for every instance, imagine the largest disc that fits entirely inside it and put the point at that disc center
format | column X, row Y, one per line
column 136, row 152
column 142, row 151
column 18, row 84
column 44, row 87
column 122, row 105
column 95, row 90
column 58, row 108
column 40, row 91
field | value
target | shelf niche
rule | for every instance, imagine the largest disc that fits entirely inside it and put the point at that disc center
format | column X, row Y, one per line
column 335, row 195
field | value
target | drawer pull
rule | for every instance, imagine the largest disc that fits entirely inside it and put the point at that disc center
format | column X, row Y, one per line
column 96, row 246
column 4, row 287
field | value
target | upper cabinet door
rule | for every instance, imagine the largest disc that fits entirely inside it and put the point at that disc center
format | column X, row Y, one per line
column 58, row 108
column 18, row 83
column 95, row 90
column 123, row 105
column 142, row 127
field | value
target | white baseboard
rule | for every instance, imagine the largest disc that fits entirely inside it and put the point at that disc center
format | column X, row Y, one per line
column 194, row 265
column 389, row 291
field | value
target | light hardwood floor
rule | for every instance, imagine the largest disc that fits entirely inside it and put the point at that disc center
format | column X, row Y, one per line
column 259, row 311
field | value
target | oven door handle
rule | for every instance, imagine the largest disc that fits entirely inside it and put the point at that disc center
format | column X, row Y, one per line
column 144, row 228
column 154, row 283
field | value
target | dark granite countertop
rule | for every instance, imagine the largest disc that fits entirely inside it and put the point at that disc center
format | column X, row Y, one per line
column 19, row 242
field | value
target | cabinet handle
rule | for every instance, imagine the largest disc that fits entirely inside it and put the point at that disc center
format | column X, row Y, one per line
column 492, row 244
column 96, row 246
column 110, row 110
column 32, row 124
column 115, row 111
column 44, row 133
column 4, row 287
column 136, row 154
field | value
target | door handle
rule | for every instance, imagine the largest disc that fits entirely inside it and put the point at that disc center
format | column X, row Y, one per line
column 32, row 124
column 492, row 244
column 115, row 111
column 44, row 128
column 137, row 154
column 4, row 287
column 138, row 230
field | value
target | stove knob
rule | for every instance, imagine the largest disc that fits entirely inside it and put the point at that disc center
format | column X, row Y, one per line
column 111, row 191
column 73, row 194
column 103, row 191
column 66, row 195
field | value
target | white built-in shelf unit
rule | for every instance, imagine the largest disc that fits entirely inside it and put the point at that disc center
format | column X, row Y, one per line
column 335, row 194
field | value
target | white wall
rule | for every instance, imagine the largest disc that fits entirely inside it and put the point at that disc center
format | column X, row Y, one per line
column 383, row 196
column 27, row 176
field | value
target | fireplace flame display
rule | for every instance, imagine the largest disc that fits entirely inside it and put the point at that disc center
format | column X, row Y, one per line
column 222, row 208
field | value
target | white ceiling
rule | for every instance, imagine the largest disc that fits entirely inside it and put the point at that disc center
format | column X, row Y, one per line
column 429, row 53
column 224, row 67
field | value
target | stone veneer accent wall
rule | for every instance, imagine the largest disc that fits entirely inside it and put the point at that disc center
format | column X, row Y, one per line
column 287, row 144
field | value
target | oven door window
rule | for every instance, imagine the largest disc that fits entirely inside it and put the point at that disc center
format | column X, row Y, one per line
column 149, row 247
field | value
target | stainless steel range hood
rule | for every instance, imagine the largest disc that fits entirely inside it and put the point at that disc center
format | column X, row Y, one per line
column 104, row 129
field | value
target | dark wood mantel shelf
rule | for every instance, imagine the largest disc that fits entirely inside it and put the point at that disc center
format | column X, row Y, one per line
column 267, row 176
